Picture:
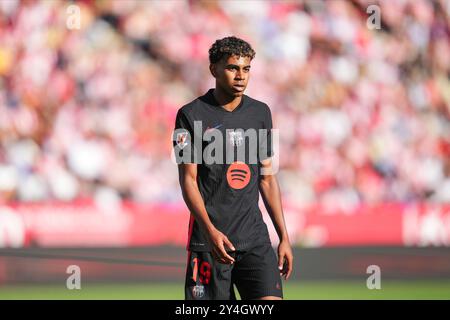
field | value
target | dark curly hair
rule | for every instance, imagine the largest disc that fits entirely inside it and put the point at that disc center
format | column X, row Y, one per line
column 230, row 46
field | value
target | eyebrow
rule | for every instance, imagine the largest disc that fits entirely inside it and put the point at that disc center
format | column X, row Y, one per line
column 236, row 66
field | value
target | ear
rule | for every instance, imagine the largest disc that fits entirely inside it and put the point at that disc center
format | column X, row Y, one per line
column 212, row 69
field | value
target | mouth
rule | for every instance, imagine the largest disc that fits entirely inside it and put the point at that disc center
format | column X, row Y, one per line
column 239, row 87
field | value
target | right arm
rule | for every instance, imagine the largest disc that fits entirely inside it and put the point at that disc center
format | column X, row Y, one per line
column 194, row 201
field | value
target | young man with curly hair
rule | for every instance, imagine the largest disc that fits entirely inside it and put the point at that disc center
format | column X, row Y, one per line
column 228, row 241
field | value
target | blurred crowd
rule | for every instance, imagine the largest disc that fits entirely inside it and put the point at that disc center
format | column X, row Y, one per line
column 88, row 113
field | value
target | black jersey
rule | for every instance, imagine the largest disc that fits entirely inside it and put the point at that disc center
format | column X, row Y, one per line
column 228, row 185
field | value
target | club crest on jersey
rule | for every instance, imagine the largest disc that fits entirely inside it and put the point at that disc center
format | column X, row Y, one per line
column 235, row 138
column 182, row 139
column 198, row 292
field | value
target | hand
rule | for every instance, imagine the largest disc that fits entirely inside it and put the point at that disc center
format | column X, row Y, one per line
column 285, row 259
column 218, row 243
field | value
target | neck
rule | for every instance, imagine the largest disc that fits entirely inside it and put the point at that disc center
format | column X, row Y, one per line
column 229, row 103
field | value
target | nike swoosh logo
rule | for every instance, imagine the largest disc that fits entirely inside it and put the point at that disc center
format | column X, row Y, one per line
column 216, row 127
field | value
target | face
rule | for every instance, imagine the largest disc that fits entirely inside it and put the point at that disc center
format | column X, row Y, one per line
column 232, row 75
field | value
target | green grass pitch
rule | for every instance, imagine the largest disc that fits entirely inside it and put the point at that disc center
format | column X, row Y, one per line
column 300, row 290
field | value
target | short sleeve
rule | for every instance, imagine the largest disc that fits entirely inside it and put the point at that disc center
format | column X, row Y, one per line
column 183, row 139
column 266, row 143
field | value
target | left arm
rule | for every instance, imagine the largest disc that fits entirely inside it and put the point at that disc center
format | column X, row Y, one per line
column 270, row 192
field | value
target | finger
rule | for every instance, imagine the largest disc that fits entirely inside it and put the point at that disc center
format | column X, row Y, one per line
column 285, row 270
column 221, row 260
column 225, row 255
column 290, row 266
column 287, row 267
column 281, row 262
column 229, row 244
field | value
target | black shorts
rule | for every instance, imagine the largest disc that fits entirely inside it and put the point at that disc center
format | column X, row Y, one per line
column 254, row 272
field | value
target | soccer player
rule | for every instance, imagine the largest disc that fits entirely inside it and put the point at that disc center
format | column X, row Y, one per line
column 228, row 241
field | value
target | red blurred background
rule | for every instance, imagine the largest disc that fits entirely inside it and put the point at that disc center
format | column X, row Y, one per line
column 86, row 117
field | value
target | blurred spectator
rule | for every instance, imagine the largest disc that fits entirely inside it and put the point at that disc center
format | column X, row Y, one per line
column 88, row 113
